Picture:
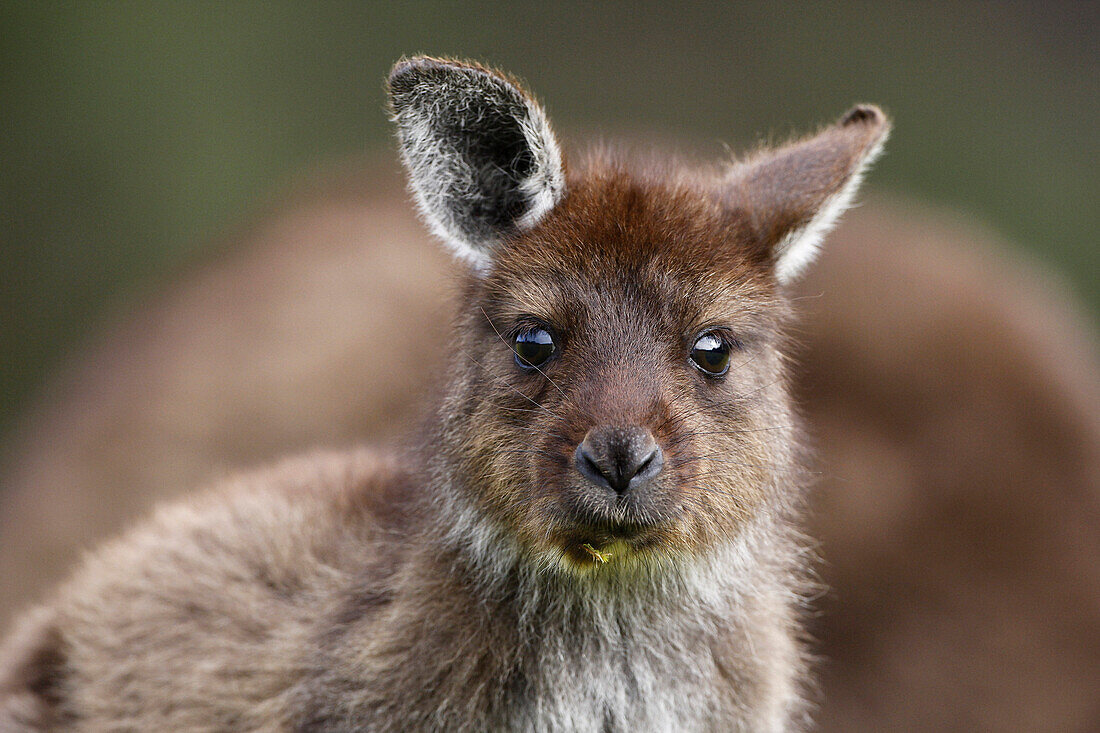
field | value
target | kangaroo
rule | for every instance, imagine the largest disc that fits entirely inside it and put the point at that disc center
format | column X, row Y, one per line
column 599, row 529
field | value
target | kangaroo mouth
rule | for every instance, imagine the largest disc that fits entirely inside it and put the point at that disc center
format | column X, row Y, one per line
column 614, row 531
column 596, row 544
column 593, row 534
column 616, row 527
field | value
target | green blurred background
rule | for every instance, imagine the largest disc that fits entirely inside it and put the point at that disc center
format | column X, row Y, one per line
column 132, row 133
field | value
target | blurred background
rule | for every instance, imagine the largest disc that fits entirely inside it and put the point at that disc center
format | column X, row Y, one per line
column 134, row 132
column 208, row 261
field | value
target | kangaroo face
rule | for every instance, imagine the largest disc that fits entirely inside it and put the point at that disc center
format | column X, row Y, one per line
column 627, row 400
column 620, row 392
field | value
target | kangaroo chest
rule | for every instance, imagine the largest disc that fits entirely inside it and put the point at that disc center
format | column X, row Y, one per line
column 623, row 682
column 604, row 673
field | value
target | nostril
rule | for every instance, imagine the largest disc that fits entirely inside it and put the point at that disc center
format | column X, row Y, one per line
column 648, row 468
column 619, row 458
column 590, row 468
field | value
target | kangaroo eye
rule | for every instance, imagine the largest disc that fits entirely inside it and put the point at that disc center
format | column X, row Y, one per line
column 711, row 354
column 534, row 347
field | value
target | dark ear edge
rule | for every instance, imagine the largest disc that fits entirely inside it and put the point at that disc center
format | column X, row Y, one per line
column 794, row 195
column 32, row 674
column 481, row 157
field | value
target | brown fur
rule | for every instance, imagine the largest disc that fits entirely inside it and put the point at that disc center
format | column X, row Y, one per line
column 480, row 581
column 955, row 401
column 668, row 251
column 255, row 356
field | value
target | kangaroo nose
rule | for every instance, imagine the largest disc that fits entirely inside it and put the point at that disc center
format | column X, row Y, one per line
column 622, row 459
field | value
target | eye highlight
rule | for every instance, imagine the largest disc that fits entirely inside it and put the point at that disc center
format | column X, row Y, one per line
column 533, row 347
column 710, row 353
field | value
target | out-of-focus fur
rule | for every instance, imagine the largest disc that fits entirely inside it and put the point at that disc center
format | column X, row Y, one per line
column 293, row 336
column 955, row 395
column 952, row 394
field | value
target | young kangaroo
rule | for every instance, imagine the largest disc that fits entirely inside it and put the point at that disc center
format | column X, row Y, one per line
column 599, row 529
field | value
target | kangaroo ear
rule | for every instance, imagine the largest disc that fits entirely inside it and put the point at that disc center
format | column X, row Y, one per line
column 793, row 195
column 482, row 160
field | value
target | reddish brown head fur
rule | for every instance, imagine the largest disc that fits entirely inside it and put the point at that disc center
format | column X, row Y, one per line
column 626, row 273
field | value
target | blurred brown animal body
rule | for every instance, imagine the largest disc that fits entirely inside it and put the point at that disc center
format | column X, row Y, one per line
column 599, row 530
column 957, row 427
column 952, row 397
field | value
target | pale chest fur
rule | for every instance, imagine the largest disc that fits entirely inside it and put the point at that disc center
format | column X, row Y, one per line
column 540, row 661
column 631, row 681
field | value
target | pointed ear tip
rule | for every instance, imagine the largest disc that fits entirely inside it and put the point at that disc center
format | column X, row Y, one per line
column 407, row 65
column 865, row 115
column 410, row 70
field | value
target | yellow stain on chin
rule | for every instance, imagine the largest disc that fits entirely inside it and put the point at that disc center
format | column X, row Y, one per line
column 588, row 558
column 617, row 550
column 599, row 557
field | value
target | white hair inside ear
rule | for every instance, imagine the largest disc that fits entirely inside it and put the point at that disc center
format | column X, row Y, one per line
column 546, row 184
column 792, row 196
column 799, row 247
column 483, row 162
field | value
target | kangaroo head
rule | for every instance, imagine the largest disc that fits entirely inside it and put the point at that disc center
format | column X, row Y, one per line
column 619, row 392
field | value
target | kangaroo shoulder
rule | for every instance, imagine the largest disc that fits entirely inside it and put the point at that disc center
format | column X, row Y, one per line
column 232, row 579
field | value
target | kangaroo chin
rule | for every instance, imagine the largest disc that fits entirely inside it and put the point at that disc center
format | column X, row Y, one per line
column 598, row 528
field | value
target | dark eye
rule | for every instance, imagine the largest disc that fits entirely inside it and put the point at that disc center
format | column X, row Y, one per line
column 534, row 348
column 711, row 354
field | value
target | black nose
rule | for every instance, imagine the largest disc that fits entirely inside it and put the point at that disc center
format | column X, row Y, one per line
column 622, row 459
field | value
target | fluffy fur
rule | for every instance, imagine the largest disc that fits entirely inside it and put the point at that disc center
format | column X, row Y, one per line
column 447, row 587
